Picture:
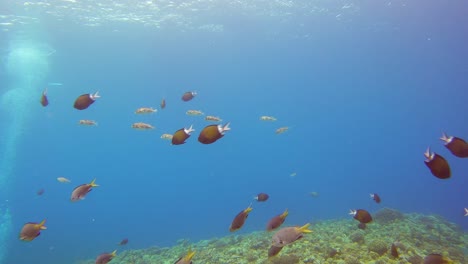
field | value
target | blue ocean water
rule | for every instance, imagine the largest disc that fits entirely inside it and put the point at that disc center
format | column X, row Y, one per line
column 363, row 88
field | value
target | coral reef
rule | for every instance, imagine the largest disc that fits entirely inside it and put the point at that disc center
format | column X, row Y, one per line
column 331, row 242
column 387, row 215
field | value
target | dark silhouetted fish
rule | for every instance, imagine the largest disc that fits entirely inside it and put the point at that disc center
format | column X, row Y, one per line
column 375, row 197
column 105, row 258
column 44, row 100
column 85, row 100
column 123, row 242
column 273, row 251
column 437, row 164
column 262, row 197
column 179, row 137
column 277, row 221
column 187, row 96
column 394, row 251
column 456, row 145
column 361, row 215
column 437, row 259
column 239, row 220
column 212, row 133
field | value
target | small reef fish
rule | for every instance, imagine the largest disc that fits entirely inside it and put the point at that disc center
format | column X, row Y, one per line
column 55, row 84
column 394, row 251
column 239, row 220
column 123, row 242
column 437, row 164
column 145, row 110
column 281, row 130
column 212, row 133
column 267, row 118
column 163, row 103
column 85, row 100
column 105, row 258
column 187, row 259
column 63, row 180
column 86, row 122
column 31, row 230
column 293, row 174
column 213, row 118
column 362, row 226
column 289, row 235
column 179, row 137
column 375, row 197
column 166, row 136
column 44, row 100
column 277, row 221
column 437, row 259
column 80, row 192
column 361, row 215
column 194, row 112
column 187, row 96
column 466, row 211
column 457, row 146
column 142, row 126
column 40, row 192
column 273, row 251
column 314, row 194
column 262, row 197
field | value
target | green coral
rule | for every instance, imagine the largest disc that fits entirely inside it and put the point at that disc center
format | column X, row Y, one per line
column 331, row 242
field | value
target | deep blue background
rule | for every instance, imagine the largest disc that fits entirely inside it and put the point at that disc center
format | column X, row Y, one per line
column 363, row 99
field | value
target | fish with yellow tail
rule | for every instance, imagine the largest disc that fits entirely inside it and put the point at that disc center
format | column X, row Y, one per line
column 105, row 258
column 240, row 218
column 187, row 259
column 277, row 221
column 289, row 235
column 80, row 192
column 32, row 230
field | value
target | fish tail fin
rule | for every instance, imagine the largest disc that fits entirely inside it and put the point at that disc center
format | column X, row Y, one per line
column 191, row 129
column 95, row 95
column 248, row 209
column 93, row 183
column 284, row 214
column 189, row 255
column 305, row 228
column 226, row 127
column 41, row 225
column 444, row 137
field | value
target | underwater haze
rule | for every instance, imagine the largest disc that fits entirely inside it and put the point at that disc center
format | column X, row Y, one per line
column 363, row 88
